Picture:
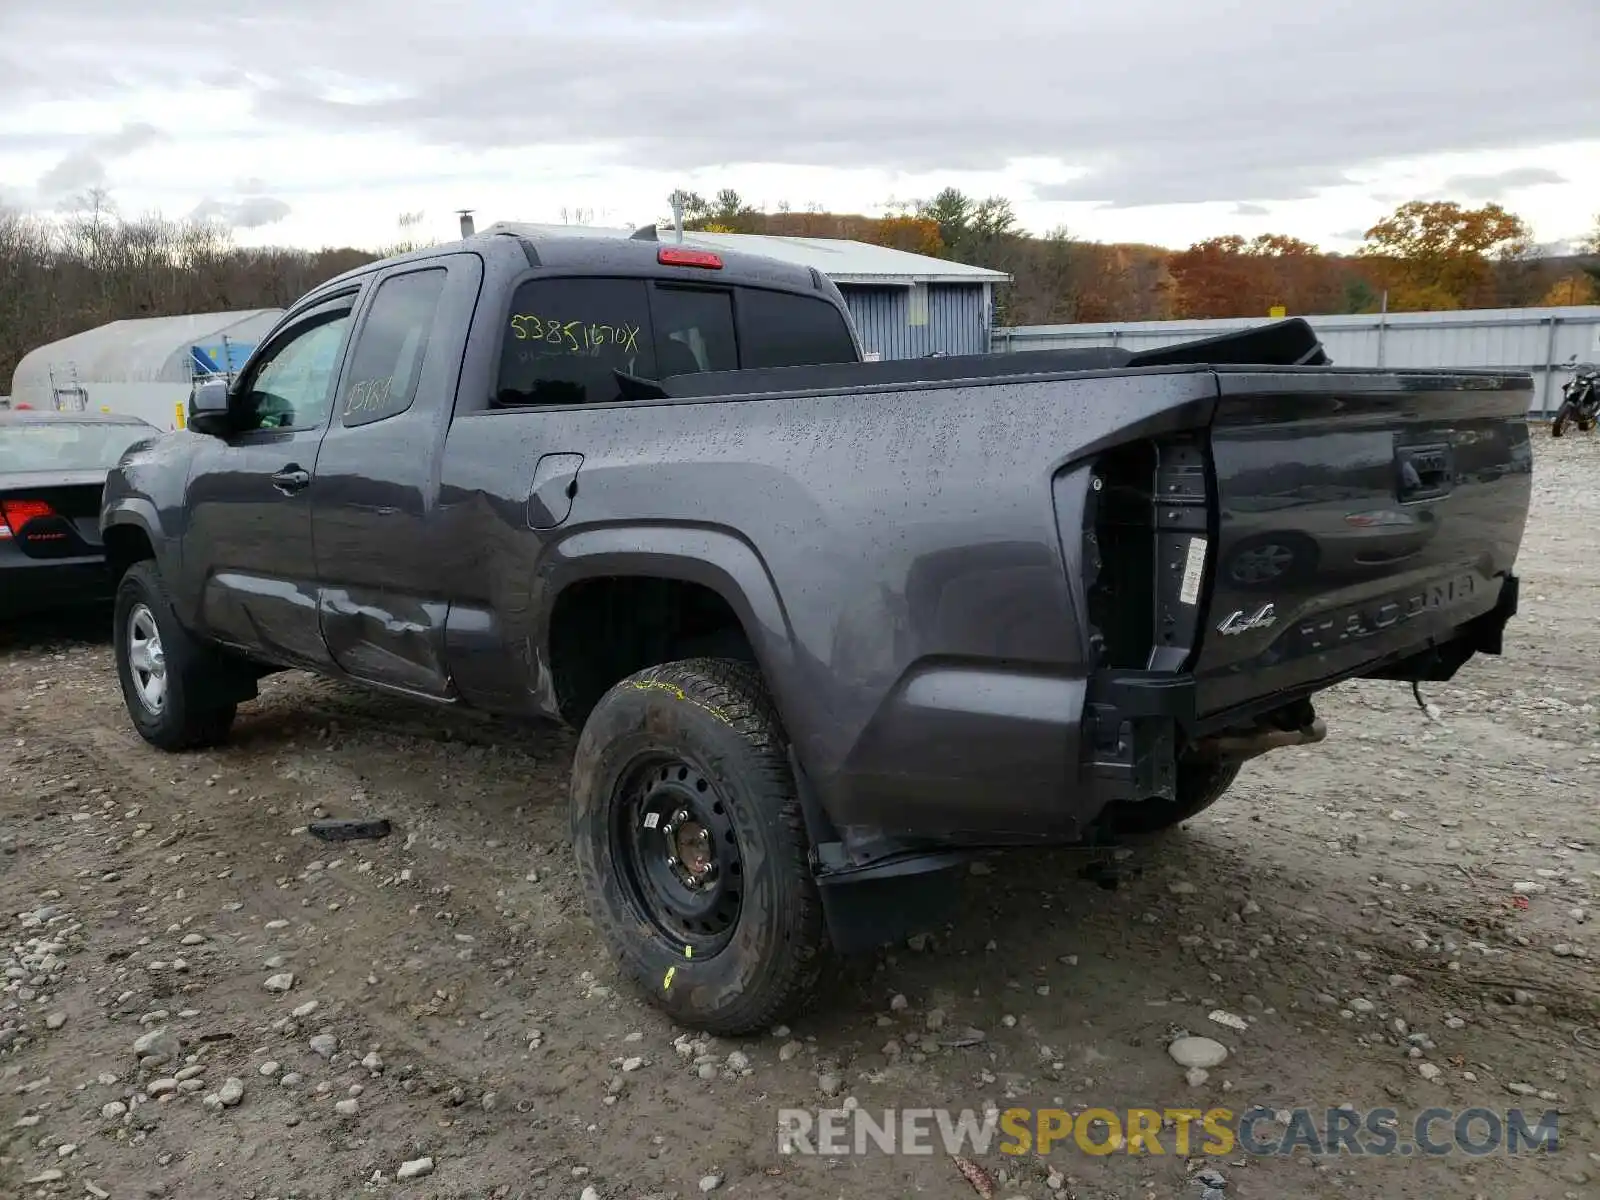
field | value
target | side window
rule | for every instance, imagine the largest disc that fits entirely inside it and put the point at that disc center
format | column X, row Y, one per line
column 386, row 360
column 566, row 338
column 779, row 329
column 694, row 330
column 291, row 385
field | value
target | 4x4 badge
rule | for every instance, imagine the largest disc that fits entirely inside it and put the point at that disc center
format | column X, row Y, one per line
column 1240, row 622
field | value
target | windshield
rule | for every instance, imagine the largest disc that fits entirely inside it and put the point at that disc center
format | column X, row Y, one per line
column 67, row 446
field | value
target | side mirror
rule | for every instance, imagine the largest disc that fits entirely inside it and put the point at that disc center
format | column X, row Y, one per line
column 208, row 408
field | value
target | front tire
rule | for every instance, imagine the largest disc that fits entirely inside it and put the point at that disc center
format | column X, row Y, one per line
column 1567, row 412
column 170, row 681
column 692, row 848
column 1200, row 785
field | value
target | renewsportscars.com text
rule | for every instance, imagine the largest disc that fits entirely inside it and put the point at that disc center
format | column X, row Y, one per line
column 1181, row 1131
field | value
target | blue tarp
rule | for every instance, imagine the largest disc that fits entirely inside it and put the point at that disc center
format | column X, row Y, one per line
column 219, row 358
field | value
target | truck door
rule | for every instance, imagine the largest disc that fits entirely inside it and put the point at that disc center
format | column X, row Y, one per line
column 248, row 568
column 382, row 591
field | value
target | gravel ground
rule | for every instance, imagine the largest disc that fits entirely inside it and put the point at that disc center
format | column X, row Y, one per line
column 202, row 1000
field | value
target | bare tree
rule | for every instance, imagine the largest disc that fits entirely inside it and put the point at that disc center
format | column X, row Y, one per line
column 91, row 266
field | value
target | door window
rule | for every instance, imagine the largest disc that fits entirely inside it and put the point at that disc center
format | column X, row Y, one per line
column 566, row 338
column 291, row 385
column 386, row 360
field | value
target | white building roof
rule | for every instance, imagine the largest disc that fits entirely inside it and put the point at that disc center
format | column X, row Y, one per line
column 842, row 261
column 149, row 350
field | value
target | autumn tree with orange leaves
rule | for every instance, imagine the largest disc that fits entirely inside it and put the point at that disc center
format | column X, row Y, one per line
column 1231, row 277
column 1434, row 254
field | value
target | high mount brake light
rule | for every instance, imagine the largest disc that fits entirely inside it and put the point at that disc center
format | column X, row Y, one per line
column 679, row 256
column 14, row 514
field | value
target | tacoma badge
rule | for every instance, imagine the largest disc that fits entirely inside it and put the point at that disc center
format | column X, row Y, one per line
column 1239, row 622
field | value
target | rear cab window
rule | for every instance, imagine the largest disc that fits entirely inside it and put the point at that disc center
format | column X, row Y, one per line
column 781, row 329
column 567, row 337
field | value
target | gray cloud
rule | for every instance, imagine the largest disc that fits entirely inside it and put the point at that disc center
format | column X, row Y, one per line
column 85, row 166
column 1495, row 187
column 1350, row 235
column 247, row 212
column 1242, row 209
column 1163, row 101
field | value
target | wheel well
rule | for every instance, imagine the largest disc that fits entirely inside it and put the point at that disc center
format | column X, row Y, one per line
column 126, row 545
column 605, row 629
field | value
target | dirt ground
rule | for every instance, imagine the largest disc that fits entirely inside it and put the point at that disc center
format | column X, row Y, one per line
column 1403, row 917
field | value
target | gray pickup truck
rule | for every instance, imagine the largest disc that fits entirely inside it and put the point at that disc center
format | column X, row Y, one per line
column 826, row 625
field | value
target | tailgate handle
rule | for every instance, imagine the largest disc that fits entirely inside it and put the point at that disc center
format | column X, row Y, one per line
column 1423, row 472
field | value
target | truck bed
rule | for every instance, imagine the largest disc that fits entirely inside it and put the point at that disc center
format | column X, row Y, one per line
column 993, row 594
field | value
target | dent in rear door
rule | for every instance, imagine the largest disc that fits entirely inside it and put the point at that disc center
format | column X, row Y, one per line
column 384, row 590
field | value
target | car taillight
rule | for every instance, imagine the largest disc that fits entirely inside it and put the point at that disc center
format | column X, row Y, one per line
column 679, row 256
column 14, row 514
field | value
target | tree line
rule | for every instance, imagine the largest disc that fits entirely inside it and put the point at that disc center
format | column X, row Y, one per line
column 1425, row 255
column 62, row 276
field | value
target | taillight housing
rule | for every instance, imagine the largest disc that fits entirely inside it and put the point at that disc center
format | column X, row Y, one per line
column 683, row 256
column 15, row 514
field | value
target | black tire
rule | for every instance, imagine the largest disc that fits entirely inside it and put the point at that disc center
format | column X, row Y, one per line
column 1200, row 785
column 1567, row 412
column 190, row 713
column 702, row 737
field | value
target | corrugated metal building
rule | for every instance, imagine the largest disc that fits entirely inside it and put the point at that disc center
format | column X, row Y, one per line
column 143, row 368
column 904, row 305
column 1537, row 340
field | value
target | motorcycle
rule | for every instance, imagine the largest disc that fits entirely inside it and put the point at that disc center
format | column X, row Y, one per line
column 1580, row 401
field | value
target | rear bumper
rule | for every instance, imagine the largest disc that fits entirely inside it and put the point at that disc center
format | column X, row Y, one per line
column 968, row 757
column 1133, row 719
column 32, row 585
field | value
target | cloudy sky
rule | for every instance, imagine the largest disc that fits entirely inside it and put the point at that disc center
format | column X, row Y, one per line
column 317, row 123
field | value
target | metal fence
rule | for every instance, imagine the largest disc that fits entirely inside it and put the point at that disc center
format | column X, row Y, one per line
column 1544, row 342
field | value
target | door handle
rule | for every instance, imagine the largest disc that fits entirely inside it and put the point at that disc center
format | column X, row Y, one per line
column 291, row 480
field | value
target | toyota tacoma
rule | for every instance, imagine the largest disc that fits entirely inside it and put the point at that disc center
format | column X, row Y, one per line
column 826, row 626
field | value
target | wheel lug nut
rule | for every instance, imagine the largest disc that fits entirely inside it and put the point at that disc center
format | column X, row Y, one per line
column 681, row 815
column 672, row 860
column 703, row 836
column 666, row 830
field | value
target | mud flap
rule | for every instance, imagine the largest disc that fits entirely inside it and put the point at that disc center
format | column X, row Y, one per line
column 873, row 890
column 889, row 902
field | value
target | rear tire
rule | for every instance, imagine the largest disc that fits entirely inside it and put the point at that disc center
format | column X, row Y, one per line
column 692, row 849
column 1200, row 785
column 170, row 681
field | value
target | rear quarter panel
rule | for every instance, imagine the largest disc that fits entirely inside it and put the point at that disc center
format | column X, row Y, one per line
column 900, row 549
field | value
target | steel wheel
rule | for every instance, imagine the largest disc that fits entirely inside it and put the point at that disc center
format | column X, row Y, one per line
column 680, row 856
column 147, row 659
